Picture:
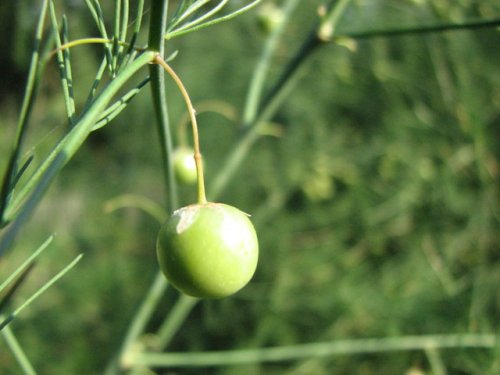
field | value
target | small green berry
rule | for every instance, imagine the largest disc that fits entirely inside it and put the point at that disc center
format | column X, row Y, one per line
column 208, row 250
column 184, row 165
column 269, row 17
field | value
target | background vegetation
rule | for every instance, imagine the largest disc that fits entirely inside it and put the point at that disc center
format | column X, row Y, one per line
column 375, row 194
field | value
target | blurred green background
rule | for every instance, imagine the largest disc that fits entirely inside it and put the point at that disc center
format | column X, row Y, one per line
column 375, row 198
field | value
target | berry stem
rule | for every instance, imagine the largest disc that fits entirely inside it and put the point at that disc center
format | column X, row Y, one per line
column 202, row 198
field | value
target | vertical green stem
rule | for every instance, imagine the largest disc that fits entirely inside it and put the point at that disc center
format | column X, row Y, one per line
column 22, row 124
column 157, row 28
column 262, row 67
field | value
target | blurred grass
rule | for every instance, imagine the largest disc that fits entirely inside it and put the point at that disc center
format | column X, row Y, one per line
column 377, row 209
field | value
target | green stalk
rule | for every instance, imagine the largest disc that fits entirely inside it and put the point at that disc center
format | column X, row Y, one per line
column 27, row 263
column 320, row 349
column 17, row 351
column 262, row 67
column 177, row 315
column 39, row 292
column 159, row 9
column 467, row 25
column 22, row 124
column 202, row 199
column 126, row 356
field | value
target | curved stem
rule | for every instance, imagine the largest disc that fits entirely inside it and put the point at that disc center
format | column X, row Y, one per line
column 192, row 114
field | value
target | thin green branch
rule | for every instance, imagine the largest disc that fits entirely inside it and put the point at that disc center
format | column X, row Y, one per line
column 17, row 351
column 115, row 109
column 141, row 318
column 22, row 124
column 124, row 21
column 203, row 17
column 187, row 11
column 262, row 67
column 246, row 8
column 467, row 25
column 63, row 67
column 95, row 85
column 68, row 74
column 116, row 33
column 40, row 291
column 137, row 25
column 14, row 287
column 96, row 12
column 174, row 320
column 27, row 262
column 321, row 349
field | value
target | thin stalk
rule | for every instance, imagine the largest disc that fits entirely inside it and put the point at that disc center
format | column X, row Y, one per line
column 262, row 66
column 189, row 11
column 68, row 73
column 95, row 85
column 22, row 124
column 27, row 262
column 62, row 64
column 456, row 26
column 138, row 324
column 205, row 16
column 158, row 24
column 137, row 25
column 116, row 33
column 435, row 361
column 40, row 291
column 124, row 21
column 17, row 351
column 115, row 109
column 14, row 287
column 320, row 349
column 177, row 315
column 328, row 26
column 96, row 12
column 173, row 34
column 192, row 114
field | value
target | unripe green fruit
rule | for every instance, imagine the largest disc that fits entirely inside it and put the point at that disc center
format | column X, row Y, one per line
column 184, row 165
column 208, row 250
column 269, row 17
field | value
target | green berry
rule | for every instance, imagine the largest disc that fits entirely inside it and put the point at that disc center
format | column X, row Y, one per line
column 208, row 250
column 184, row 165
column 269, row 17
